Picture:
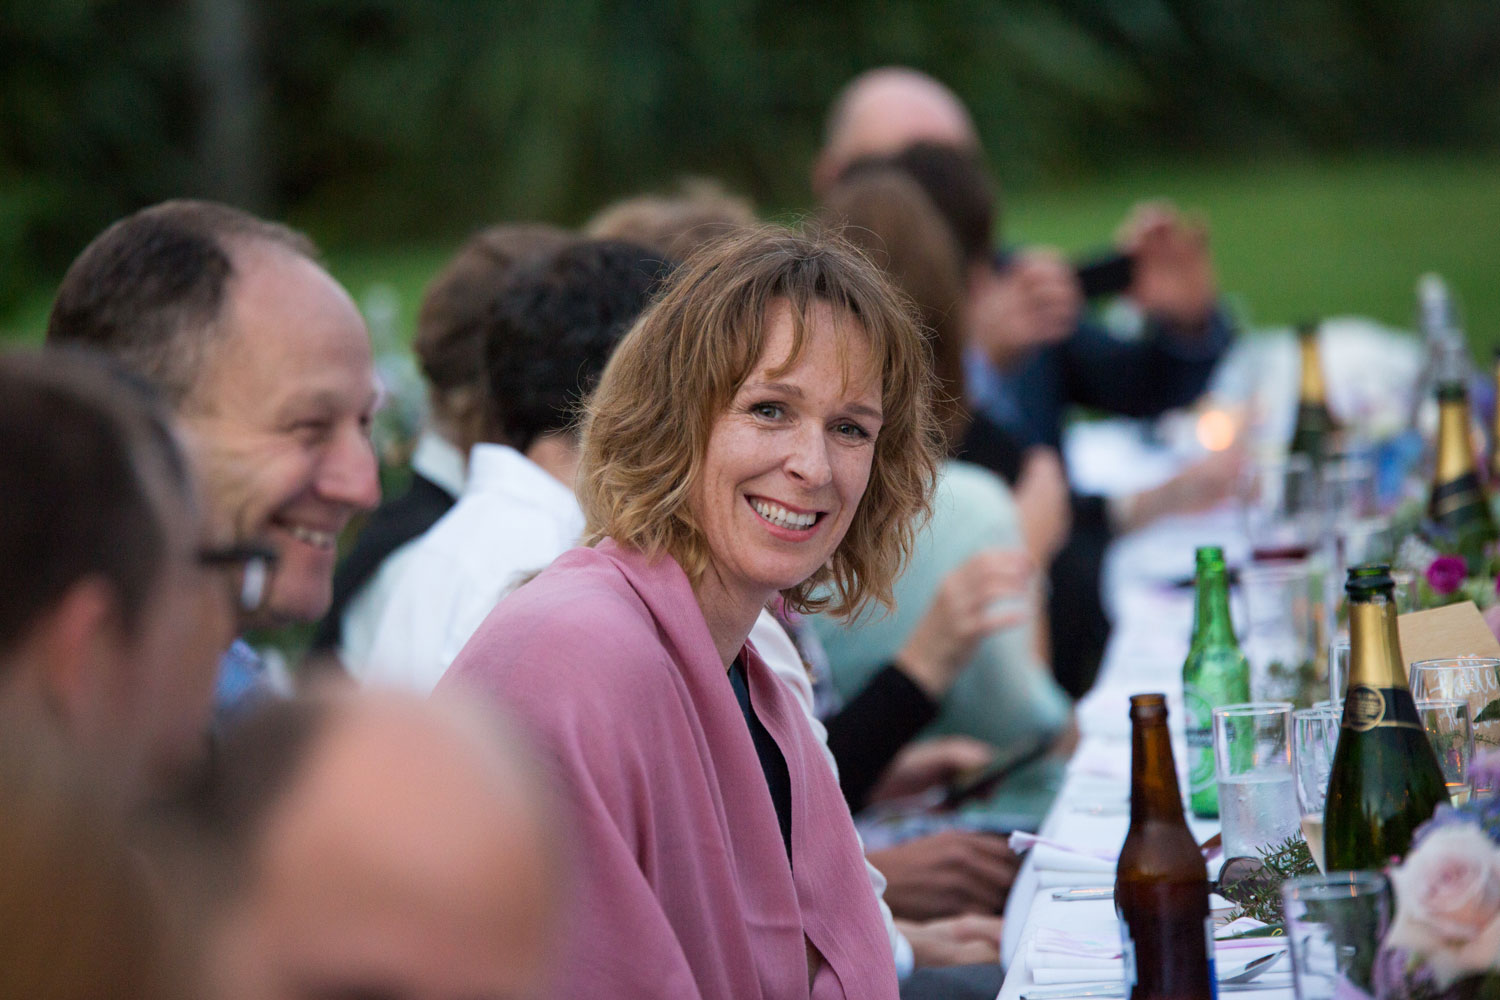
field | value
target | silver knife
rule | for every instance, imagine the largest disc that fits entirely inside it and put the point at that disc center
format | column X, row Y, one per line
column 1093, row 892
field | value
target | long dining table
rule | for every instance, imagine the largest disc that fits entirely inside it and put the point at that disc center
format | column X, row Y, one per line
column 1070, row 946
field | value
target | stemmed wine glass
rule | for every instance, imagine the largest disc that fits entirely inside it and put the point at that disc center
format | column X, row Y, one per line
column 1315, row 736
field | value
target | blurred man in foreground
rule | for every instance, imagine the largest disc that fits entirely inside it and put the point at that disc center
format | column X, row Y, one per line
column 267, row 363
column 373, row 846
column 112, row 615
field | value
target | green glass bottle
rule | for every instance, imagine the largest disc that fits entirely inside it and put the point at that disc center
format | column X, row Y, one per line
column 1315, row 429
column 1214, row 674
column 1385, row 779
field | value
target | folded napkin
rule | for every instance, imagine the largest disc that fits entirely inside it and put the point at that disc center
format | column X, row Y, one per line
column 1080, row 943
column 1055, row 855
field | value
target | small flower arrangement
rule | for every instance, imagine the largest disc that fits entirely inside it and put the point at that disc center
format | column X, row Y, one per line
column 1441, row 578
column 1445, row 939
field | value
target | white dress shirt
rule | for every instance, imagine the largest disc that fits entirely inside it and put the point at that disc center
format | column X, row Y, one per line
column 512, row 519
column 442, row 463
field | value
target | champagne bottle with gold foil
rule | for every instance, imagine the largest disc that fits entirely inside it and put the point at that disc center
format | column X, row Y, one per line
column 1161, row 882
column 1385, row 779
column 1458, row 510
column 1315, row 428
column 1214, row 674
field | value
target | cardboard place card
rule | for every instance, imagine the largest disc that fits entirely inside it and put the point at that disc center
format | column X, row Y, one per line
column 1452, row 630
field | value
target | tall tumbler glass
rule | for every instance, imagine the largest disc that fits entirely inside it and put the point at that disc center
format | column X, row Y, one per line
column 1334, row 925
column 1279, row 502
column 1253, row 761
column 1283, row 629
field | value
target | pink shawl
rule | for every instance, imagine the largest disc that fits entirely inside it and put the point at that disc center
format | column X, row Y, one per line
column 684, row 889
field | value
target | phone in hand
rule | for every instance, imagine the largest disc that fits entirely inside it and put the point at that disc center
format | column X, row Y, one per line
column 982, row 780
column 1105, row 274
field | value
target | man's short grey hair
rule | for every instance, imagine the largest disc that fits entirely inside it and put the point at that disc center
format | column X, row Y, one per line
column 150, row 290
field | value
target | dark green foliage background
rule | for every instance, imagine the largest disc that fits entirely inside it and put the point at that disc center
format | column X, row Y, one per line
column 396, row 122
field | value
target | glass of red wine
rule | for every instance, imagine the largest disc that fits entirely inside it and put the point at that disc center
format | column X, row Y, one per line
column 1279, row 500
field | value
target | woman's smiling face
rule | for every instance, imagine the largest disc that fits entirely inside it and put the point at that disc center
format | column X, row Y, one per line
column 789, row 460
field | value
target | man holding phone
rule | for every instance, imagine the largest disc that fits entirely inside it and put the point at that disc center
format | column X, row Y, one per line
column 1026, row 305
column 1033, row 351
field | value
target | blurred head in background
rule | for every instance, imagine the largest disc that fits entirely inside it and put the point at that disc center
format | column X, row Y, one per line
column 881, row 112
column 548, row 335
column 267, row 363
column 110, row 623
column 373, row 845
column 884, row 212
column 676, row 224
column 449, row 342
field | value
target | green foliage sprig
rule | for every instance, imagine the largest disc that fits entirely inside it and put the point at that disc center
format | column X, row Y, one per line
column 1259, row 896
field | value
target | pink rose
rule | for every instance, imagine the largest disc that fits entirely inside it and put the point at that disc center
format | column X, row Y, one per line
column 1446, row 574
column 1448, row 903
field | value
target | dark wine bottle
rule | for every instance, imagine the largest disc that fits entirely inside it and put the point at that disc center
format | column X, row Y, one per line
column 1214, row 674
column 1315, row 428
column 1385, row 780
column 1458, row 510
column 1161, row 883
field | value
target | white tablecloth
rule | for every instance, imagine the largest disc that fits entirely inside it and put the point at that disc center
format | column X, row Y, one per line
column 1152, row 624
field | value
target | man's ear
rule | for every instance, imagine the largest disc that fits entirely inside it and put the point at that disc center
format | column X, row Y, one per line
column 75, row 651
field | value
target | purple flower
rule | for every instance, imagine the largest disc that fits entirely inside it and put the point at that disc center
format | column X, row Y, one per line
column 1484, row 769
column 1446, row 574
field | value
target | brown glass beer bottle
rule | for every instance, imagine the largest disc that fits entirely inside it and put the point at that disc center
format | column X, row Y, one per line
column 1161, row 885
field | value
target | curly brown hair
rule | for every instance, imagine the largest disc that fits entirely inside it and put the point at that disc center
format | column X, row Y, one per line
column 646, row 428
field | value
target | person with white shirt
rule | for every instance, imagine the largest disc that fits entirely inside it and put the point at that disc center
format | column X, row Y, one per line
column 449, row 348
column 548, row 334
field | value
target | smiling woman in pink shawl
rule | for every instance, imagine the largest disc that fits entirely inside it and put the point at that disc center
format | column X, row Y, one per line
column 764, row 428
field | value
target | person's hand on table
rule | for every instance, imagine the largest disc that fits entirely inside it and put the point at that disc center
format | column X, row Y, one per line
column 1042, row 497
column 1173, row 271
column 1200, row 486
column 947, row 874
column 1034, row 300
column 961, row 614
column 972, row 939
column 924, row 763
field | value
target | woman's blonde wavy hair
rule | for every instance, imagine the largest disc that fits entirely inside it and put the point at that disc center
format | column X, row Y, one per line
column 647, row 425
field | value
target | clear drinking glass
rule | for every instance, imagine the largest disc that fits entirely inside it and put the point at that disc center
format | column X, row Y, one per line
column 1279, row 499
column 1452, row 735
column 1283, row 629
column 1253, row 760
column 1315, row 736
column 1334, row 925
column 1471, row 679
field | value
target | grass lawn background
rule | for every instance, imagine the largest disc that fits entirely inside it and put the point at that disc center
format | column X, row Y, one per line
column 1291, row 239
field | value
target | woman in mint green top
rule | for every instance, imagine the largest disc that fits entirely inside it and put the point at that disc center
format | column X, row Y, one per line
column 1005, row 695
column 989, row 683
